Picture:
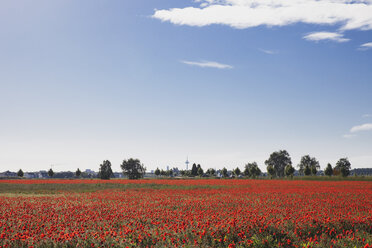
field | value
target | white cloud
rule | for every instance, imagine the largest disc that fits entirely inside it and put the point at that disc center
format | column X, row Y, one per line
column 347, row 14
column 318, row 36
column 210, row 64
column 365, row 46
column 268, row 51
column 363, row 127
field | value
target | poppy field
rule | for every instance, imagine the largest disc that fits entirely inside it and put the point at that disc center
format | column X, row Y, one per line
column 185, row 213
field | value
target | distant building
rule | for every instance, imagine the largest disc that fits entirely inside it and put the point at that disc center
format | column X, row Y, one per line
column 118, row 175
column 30, row 175
column 90, row 172
column 42, row 174
column 8, row 174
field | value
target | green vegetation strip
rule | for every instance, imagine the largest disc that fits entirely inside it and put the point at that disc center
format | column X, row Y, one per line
column 81, row 188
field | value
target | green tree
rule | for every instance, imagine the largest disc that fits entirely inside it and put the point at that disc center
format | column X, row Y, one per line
column 329, row 170
column 314, row 171
column 194, row 170
column 307, row 170
column 50, row 172
column 133, row 169
column 211, row 172
column 78, row 172
column 224, row 172
column 200, row 172
column 105, row 171
column 289, row 170
column 247, row 170
column 343, row 165
column 254, row 170
column 20, row 173
column 279, row 160
column 311, row 162
column 270, row 170
column 237, row 171
column 157, row 172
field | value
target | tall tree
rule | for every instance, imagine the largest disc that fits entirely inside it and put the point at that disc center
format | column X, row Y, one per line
column 343, row 166
column 237, row 172
column 133, row 169
column 270, row 170
column 247, row 169
column 307, row 170
column 289, row 170
column 78, row 172
column 311, row 162
column 200, row 171
column 329, row 170
column 50, row 172
column 254, row 170
column 105, row 171
column 20, row 173
column 211, row 172
column 279, row 160
column 194, row 170
column 224, row 172
column 157, row 172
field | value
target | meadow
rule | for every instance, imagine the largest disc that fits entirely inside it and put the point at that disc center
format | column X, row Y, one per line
column 185, row 213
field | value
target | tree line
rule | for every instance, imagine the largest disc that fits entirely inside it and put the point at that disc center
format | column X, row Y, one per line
column 279, row 164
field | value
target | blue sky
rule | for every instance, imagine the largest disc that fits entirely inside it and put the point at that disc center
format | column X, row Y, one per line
column 84, row 81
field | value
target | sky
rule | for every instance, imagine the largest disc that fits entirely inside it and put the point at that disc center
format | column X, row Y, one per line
column 224, row 82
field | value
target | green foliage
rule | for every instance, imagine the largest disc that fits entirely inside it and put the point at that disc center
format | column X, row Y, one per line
column 200, row 171
column 329, row 170
column 157, row 172
column 310, row 162
column 105, row 171
column 247, row 171
column 78, row 172
column 252, row 170
column 278, row 160
column 20, row 173
column 313, row 171
column 50, row 172
column 133, row 169
column 307, row 170
column 237, row 171
column 211, row 172
column 224, row 172
column 343, row 166
column 289, row 170
column 270, row 170
column 185, row 173
column 194, row 170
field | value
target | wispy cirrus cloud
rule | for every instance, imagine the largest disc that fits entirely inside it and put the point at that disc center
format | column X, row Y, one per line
column 209, row 64
column 345, row 14
column 330, row 36
column 366, row 115
column 363, row 127
column 271, row 52
column 365, row 46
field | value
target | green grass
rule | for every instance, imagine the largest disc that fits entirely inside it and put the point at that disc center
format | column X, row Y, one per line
column 81, row 188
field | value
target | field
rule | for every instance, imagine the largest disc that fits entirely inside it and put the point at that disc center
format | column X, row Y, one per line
column 185, row 213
